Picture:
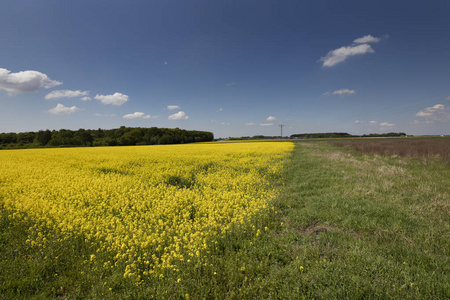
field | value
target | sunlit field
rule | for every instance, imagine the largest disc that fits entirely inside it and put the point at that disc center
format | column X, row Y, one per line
column 256, row 220
column 146, row 210
column 423, row 148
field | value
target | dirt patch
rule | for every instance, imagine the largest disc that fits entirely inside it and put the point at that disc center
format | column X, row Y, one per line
column 315, row 229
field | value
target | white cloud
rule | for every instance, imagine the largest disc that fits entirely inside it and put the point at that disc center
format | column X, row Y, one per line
column 373, row 122
column 271, row 118
column 171, row 107
column 366, row 39
column 220, row 109
column 424, row 113
column 339, row 55
column 266, row 124
column 225, row 123
column 139, row 115
column 435, row 113
column 358, row 122
column 417, row 122
column 115, row 99
column 25, row 81
column 386, row 124
column 181, row 115
column 66, row 94
column 250, row 124
column 86, row 98
column 63, row 110
column 341, row 92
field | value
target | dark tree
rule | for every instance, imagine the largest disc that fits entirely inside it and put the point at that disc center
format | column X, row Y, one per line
column 84, row 137
column 43, row 137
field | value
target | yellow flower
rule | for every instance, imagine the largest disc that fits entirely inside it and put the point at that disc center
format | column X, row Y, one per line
column 167, row 202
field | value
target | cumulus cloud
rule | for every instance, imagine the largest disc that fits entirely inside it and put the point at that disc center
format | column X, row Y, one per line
column 66, row 94
column 271, row 118
column 115, row 99
column 341, row 92
column 63, row 110
column 181, row 115
column 86, row 98
column 430, row 111
column 435, row 113
column 250, row 124
column 266, row 124
column 357, row 122
column 386, row 124
column 359, row 46
column 139, row 115
column 366, row 39
column 373, row 122
column 341, row 54
column 25, row 81
column 171, row 107
column 220, row 109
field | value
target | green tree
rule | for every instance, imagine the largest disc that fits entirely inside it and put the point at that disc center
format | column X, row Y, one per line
column 43, row 137
column 165, row 139
column 84, row 137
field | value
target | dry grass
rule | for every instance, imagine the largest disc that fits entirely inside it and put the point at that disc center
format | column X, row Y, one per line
column 412, row 148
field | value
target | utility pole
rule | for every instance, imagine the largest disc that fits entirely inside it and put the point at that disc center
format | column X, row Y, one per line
column 281, row 126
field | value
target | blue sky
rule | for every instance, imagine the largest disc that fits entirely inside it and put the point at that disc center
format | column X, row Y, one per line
column 236, row 68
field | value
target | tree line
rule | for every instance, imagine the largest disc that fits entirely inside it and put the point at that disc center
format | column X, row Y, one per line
column 344, row 135
column 123, row 136
column 319, row 136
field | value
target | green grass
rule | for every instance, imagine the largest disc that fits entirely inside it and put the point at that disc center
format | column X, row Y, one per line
column 368, row 226
column 346, row 225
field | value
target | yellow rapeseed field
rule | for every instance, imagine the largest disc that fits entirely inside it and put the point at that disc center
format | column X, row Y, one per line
column 149, row 208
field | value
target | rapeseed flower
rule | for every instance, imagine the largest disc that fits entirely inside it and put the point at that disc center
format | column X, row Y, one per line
column 148, row 208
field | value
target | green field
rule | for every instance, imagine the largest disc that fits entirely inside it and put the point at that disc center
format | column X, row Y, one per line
column 345, row 225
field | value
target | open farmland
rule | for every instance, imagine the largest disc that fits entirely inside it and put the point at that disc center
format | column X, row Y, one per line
column 423, row 148
column 223, row 221
column 143, row 211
